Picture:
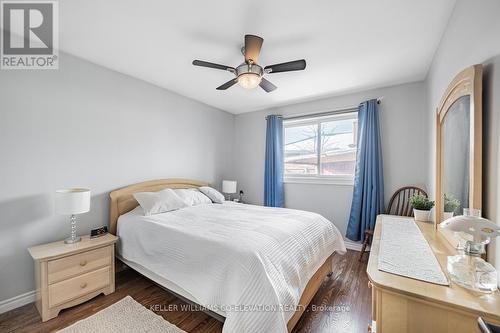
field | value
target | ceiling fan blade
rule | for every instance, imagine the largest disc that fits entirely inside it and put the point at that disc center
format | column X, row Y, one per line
column 267, row 86
column 252, row 47
column 296, row 65
column 212, row 65
column 228, row 84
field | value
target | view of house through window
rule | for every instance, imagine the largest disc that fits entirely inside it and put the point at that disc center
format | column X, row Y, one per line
column 321, row 146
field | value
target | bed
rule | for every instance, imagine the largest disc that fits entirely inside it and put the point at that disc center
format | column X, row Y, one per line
column 257, row 268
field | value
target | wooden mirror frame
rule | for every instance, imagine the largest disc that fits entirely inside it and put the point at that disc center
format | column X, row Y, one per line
column 467, row 82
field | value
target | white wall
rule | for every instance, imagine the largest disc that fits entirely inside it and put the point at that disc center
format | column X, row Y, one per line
column 84, row 125
column 402, row 118
column 472, row 37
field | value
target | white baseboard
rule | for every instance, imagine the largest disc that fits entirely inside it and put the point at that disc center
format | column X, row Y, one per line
column 350, row 245
column 17, row 301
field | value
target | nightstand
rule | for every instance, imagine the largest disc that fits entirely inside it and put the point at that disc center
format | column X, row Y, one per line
column 70, row 274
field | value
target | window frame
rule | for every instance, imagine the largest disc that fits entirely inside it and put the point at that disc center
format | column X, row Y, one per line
column 346, row 180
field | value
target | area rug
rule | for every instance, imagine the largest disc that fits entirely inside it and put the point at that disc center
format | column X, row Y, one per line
column 124, row 316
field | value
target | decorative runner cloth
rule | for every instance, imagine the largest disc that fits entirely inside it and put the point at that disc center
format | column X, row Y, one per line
column 404, row 251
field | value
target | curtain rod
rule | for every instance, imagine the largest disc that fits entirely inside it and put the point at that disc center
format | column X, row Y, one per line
column 348, row 109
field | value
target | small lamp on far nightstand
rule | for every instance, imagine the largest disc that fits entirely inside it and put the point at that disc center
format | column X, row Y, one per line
column 71, row 202
column 229, row 187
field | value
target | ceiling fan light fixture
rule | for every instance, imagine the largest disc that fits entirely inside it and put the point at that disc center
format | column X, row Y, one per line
column 249, row 80
column 249, row 74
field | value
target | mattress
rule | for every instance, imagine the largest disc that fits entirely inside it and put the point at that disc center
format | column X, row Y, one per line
column 248, row 263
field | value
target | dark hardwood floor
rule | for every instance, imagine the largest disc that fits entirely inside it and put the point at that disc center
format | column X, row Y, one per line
column 343, row 304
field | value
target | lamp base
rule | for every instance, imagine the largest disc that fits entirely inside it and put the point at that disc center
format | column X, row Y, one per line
column 73, row 238
column 472, row 273
column 70, row 240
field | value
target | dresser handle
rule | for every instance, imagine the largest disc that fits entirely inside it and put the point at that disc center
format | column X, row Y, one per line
column 83, row 263
column 83, row 285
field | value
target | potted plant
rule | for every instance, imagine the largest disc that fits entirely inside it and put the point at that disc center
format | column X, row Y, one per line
column 450, row 205
column 421, row 207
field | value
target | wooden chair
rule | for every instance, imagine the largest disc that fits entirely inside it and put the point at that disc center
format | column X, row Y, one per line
column 398, row 205
column 400, row 201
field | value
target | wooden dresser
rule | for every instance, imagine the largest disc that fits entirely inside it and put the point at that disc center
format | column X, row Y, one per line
column 404, row 305
column 69, row 274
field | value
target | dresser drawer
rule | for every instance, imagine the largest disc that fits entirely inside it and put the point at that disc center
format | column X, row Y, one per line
column 68, row 290
column 67, row 267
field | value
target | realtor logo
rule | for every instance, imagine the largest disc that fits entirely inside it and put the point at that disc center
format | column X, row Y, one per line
column 30, row 35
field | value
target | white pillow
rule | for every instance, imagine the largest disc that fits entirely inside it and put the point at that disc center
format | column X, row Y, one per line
column 212, row 193
column 192, row 196
column 159, row 202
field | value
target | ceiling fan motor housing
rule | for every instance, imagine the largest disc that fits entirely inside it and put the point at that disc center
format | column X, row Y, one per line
column 245, row 68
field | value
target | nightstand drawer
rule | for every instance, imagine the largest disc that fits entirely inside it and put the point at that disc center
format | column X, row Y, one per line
column 68, row 290
column 67, row 267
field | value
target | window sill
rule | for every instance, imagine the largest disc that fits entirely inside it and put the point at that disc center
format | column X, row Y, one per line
column 339, row 180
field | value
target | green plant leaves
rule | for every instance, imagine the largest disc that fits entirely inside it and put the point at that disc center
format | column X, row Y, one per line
column 421, row 202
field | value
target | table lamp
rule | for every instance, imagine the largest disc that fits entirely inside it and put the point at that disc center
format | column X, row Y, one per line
column 71, row 202
column 229, row 187
column 469, row 270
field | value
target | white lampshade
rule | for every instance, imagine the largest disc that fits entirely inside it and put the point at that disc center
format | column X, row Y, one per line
column 229, row 186
column 72, row 201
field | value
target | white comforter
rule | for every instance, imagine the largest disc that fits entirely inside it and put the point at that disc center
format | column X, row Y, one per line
column 249, row 262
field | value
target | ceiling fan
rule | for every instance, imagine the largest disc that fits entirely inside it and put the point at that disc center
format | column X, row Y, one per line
column 249, row 74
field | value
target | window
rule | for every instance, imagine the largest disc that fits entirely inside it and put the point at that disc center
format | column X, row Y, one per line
column 321, row 148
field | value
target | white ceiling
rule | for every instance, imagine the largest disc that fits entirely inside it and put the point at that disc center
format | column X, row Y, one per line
column 349, row 45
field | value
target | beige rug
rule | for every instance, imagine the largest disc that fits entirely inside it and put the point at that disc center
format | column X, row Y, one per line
column 124, row 316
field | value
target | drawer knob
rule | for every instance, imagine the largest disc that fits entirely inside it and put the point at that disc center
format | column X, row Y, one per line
column 83, row 285
column 83, row 263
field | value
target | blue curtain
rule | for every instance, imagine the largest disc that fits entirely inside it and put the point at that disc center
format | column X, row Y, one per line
column 273, row 178
column 368, row 196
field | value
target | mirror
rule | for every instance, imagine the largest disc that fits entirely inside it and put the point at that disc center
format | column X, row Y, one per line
column 459, row 146
column 456, row 138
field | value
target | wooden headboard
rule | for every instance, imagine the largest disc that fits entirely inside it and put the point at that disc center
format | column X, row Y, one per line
column 122, row 200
